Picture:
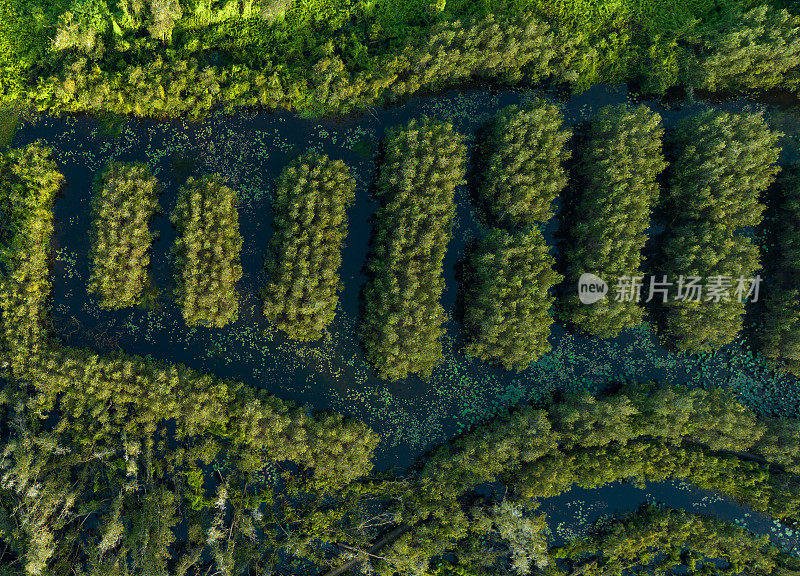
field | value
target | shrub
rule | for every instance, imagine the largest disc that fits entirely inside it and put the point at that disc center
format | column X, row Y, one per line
column 29, row 182
column 507, row 312
column 312, row 196
column 725, row 162
column 403, row 318
column 207, row 252
column 619, row 170
column 524, row 174
column 125, row 201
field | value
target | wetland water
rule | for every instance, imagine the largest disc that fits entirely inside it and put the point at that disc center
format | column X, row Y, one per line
column 250, row 150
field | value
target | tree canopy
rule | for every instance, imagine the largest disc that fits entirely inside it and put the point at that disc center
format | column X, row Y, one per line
column 126, row 197
column 312, row 196
column 403, row 319
column 207, row 252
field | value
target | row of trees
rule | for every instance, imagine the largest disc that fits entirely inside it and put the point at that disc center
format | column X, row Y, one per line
column 758, row 50
column 507, row 312
column 207, row 252
column 126, row 198
column 120, row 57
column 499, row 48
column 110, row 399
column 181, row 473
column 606, row 228
column 642, row 432
column 510, row 273
column 403, row 318
column 725, row 162
column 668, row 540
column 310, row 226
column 177, row 472
column 29, row 182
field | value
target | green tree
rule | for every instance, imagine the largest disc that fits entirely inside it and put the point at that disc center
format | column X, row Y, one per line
column 758, row 50
column 126, row 198
column 207, row 252
column 779, row 330
column 29, row 182
column 312, row 196
column 659, row 537
column 403, row 318
column 524, row 173
column 725, row 162
column 507, row 313
column 607, row 227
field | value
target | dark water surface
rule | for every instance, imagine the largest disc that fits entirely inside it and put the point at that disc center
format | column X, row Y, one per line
column 571, row 513
column 250, row 150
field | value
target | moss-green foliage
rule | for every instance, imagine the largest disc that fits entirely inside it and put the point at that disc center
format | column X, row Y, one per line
column 725, row 162
column 491, row 47
column 704, row 251
column 779, row 334
column 757, row 51
column 312, row 196
column 641, row 433
column 618, row 189
column 207, row 252
column 126, row 396
column 450, row 52
column 126, row 197
column 343, row 55
column 524, row 172
column 508, row 304
column 403, row 318
column 29, row 181
column 659, row 537
column 141, row 448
